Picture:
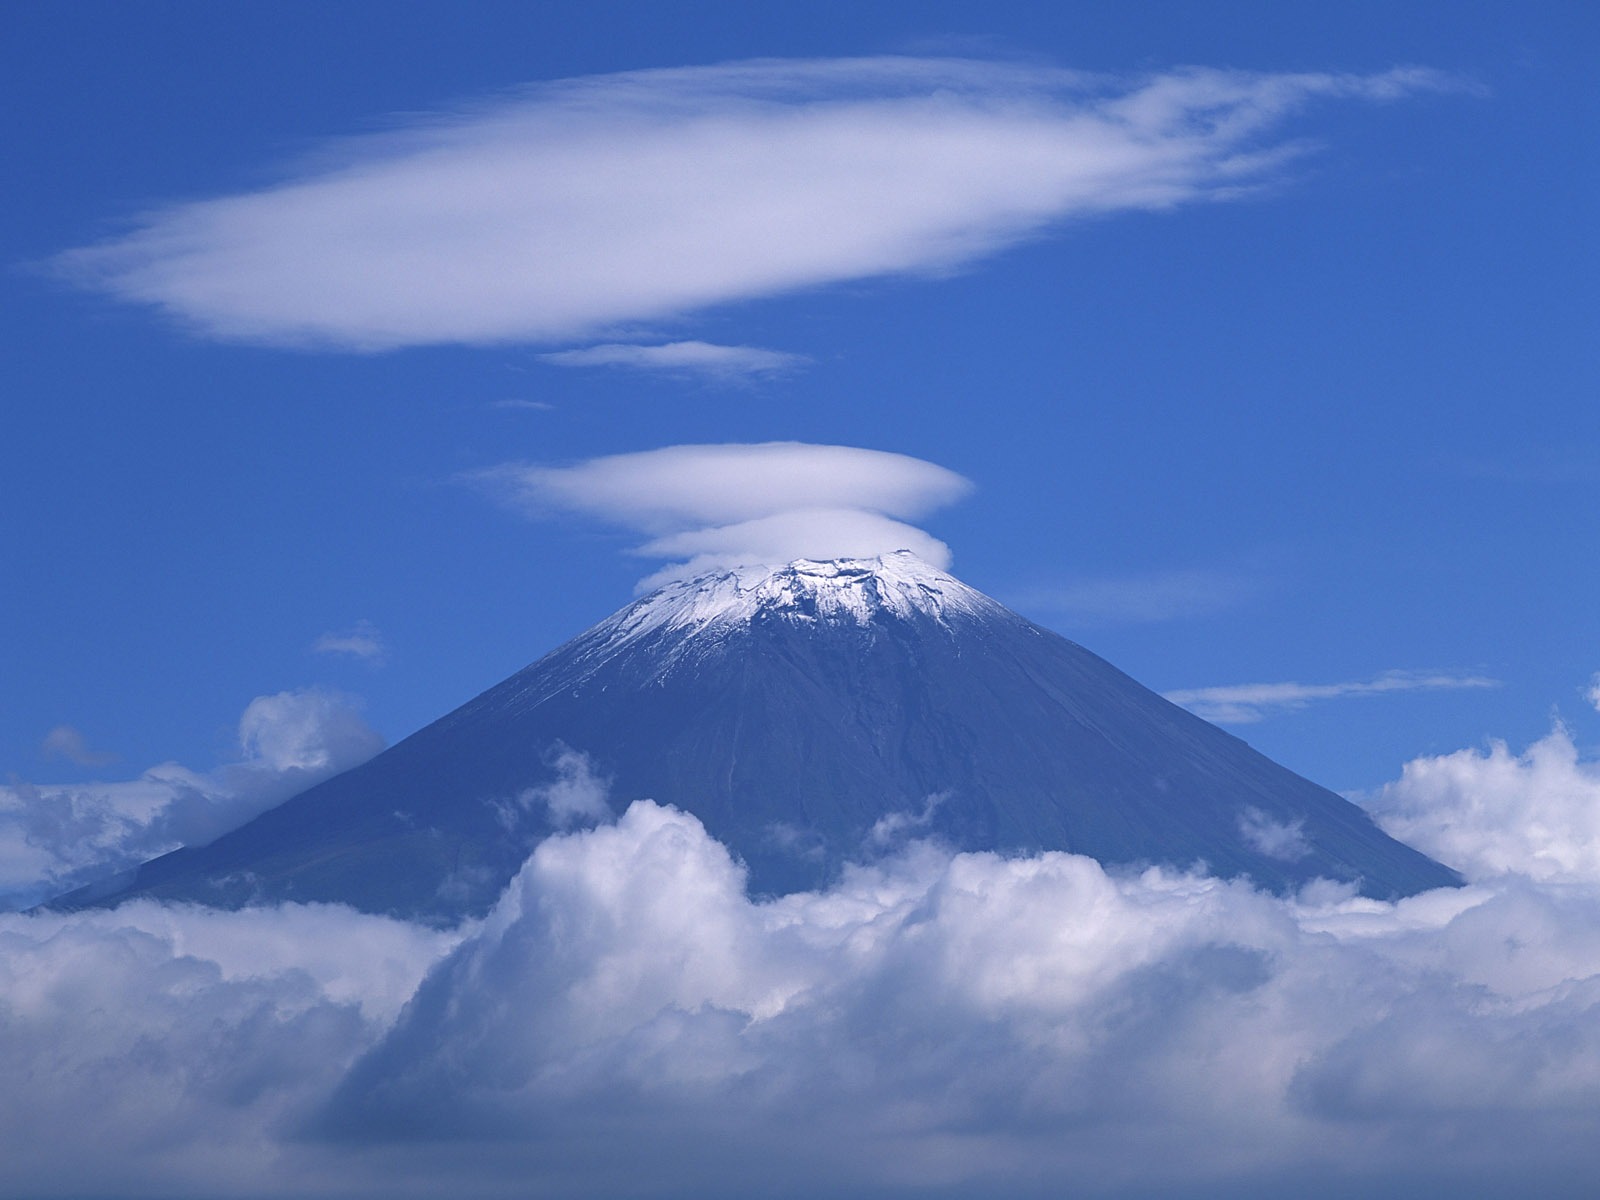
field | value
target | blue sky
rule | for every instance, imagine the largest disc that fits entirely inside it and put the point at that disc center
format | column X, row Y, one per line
column 356, row 350
column 1322, row 418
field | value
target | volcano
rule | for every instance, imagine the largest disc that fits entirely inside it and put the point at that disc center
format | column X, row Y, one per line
column 809, row 716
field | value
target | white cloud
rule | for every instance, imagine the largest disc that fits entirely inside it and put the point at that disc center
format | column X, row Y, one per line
column 687, row 358
column 567, row 210
column 628, row 1021
column 976, row 1025
column 66, row 742
column 1284, row 840
column 677, row 486
column 817, row 533
column 577, row 795
column 771, row 502
column 1593, row 694
column 1491, row 813
column 54, row 837
column 1139, row 599
column 362, row 641
column 310, row 730
column 162, row 1050
column 1246, row 703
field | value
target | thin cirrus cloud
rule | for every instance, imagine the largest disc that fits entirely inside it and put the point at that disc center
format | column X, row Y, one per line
column 1247, row 703
column 743, row 504
column 1143, row 599
column 703, row 359
column 570, row 209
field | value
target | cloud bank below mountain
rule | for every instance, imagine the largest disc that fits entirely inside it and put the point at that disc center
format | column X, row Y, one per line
column 628, row 1021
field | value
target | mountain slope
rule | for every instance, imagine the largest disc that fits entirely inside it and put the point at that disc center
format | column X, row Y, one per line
column 803, row 715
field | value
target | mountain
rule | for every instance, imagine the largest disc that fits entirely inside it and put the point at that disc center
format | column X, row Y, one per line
column 809, row 716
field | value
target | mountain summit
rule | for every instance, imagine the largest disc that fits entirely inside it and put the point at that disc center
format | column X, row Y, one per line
column 809, row 716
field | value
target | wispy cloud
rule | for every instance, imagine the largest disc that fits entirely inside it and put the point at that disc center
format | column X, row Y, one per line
column 684, row 358
column 1246, row 703
column 565, row 211
column 735, row 504
column 66, row 742
column 530, row 405
column 1141, row 599
column 361, row 641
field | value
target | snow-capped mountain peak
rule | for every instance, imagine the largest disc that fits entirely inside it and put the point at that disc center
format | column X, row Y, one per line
column 793, row 710
column 840, row 590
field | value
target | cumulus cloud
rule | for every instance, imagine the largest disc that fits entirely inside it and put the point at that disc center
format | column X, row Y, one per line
column 770, row 502
column 1246, row 703
column 361, row 641
column 54, row 837
column 628, row 1021
column 566, row 210
column 1492, row 812
column 163, row 1050
column 969, row 1024
column 683, row 358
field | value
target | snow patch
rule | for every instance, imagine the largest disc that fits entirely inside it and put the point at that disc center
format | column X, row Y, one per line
column 834, row 591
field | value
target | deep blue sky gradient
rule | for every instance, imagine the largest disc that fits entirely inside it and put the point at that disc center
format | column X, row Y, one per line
column 1369, row 395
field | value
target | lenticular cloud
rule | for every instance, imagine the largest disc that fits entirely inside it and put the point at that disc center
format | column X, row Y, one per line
column 628, row 1021
column 574, row 209
column 732, row 504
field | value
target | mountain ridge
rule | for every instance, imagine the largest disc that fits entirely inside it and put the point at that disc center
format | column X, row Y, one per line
column 792, row 709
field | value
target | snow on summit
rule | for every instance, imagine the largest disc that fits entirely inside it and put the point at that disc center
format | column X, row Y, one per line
column 834, row 590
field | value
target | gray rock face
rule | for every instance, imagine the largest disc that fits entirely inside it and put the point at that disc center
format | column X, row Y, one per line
column 809, row 716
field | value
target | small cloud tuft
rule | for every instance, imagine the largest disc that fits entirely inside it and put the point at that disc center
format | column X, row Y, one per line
column 66, row 742
column 362, row 641
column 1283, row 840
column 577, row 796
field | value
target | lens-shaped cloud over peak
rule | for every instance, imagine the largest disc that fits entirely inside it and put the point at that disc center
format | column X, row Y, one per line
column 738, row 504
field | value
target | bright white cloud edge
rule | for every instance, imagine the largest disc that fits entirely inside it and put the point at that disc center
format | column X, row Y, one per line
column 571, row 209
